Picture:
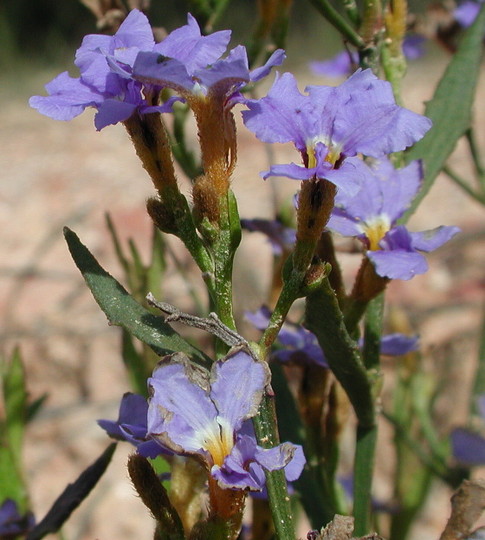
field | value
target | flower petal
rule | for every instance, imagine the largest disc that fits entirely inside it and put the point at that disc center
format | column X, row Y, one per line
column 398, row 344
column 468, row 447
column 434, row 238
column 398, row 264
column 180, row 413
column 237, row 386
column 273, row 459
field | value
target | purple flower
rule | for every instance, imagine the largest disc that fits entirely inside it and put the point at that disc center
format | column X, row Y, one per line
column 281, row 238
column 12, row 524
column 413, row 46
column 196, row 413
column 466, row 12
column 372, row 216
column 345, row 62
column 131, row 426
column 106, row 82
column 468, row 446
column 300, row 346
column 191, row 64
column 339, row 65
column 331, row 125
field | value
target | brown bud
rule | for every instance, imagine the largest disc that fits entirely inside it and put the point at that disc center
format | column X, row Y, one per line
column 162, row 215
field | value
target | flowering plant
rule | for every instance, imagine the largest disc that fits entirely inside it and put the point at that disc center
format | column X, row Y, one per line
column 206, row 420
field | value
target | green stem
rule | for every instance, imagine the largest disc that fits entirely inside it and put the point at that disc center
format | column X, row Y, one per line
column 366, row 437
column 363, row 467
column 340, row 350
column 459, row 181
column 266, row 429
column 437, row 467
column 477, row 160
column 352, row 11
column 334, row 18
column 372, row 332
column 353, row 312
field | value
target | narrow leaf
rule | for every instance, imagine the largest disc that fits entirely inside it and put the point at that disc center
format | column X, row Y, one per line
column 72, row 496
column 122, row 310
column 450, row 108
column 11, row 484
column 15, row 396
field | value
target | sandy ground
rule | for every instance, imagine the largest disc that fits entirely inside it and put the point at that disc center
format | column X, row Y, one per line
column 55, row 174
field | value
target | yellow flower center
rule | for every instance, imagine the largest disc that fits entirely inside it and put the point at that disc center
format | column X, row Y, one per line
column 332, row 156
column 375, row 230
column 219, row 441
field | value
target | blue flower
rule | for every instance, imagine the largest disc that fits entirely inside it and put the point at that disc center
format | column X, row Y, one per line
column 280, row 237
column 372, row 214
column 468, row 446
column 329, row 126
column 300, row 346
column 12, row 524
column 131, row 426
column 466, row 13
column 191, row 64
column 106, row 83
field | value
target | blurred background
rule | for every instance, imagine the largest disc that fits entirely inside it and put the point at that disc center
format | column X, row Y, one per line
column 54, row 174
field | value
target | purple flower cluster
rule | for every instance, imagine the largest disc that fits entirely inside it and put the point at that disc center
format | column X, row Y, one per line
column 195, row 413
column 124, row 73
column 372, row 214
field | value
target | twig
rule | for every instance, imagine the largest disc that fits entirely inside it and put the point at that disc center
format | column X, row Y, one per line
column 211, row 324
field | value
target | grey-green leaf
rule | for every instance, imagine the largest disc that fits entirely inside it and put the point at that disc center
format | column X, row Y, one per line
column 123, row 310
column 450, row 108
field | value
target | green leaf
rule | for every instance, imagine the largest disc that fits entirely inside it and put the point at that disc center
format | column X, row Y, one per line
column 15, row 396
column 72, row 496
column 12, row 483
column 450, row 108
column 122, row 310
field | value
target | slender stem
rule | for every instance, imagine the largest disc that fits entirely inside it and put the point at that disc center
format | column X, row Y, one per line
column 363, row 467
column 477, row 160
column 372, row 332
column 352, row 11
column 340, row 351
column 266, row 429
column 366, row 437
column 334, row 18
column 464, row 185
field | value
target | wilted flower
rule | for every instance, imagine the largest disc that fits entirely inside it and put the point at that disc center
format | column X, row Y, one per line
column 196, row 413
